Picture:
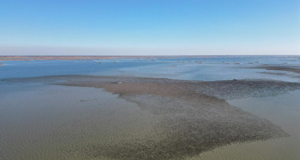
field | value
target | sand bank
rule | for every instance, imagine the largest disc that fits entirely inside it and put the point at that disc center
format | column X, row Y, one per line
column 289, row 68
column 194, row 116
column 280, row 74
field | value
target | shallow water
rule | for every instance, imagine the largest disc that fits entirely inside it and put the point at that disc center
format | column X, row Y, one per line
column 55, row 122
column 40, row 121
column 205, row 69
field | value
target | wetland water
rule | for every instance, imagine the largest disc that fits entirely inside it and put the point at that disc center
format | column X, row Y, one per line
column 83, row 117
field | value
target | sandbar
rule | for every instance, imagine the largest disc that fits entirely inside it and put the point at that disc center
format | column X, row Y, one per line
column 194, row 115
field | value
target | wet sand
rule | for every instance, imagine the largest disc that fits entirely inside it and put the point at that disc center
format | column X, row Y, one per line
column 193, row 116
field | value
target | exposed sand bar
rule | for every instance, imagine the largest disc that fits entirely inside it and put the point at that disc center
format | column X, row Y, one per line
column 227, row 89
column 194, row 116
column 281, row 74
column 287, row 68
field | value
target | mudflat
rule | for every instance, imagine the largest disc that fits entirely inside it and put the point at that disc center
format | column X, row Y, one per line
column 193, row 115
column 287, row 68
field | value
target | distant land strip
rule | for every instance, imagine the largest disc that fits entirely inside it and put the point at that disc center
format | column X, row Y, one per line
column 30, row 58
column 98, row 57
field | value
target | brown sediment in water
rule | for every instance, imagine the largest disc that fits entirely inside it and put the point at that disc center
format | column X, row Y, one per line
column 288, row 68
column 280, row 74
column 295, row 69
column 194, row 116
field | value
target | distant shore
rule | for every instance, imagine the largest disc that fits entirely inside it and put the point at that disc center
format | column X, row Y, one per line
column 30, row 58
column 90, row 57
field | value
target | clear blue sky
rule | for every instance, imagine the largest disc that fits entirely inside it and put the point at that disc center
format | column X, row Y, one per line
column 143, row 27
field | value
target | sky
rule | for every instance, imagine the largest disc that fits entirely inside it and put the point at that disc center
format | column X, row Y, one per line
column 149, row 27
